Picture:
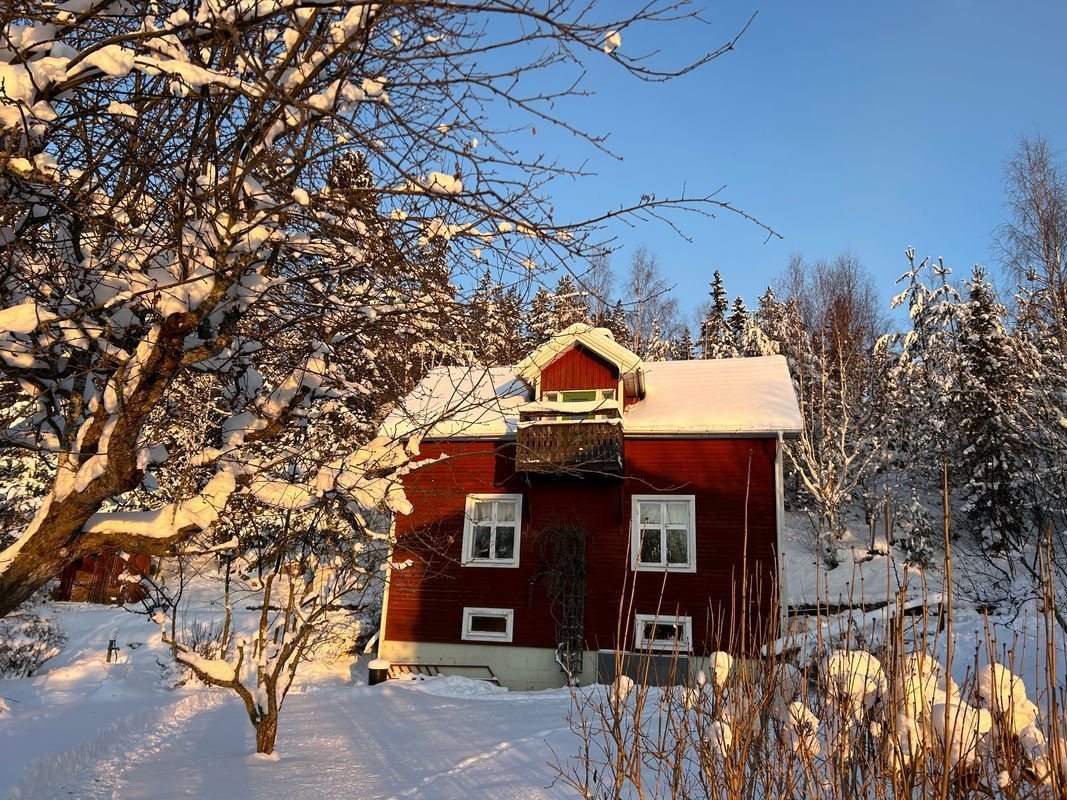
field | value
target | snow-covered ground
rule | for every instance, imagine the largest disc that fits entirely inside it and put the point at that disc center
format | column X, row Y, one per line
column 84, row 728
column 860, row 577
column 871, row 579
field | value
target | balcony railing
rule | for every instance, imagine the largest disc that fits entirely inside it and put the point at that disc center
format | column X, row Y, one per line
column 578, row 446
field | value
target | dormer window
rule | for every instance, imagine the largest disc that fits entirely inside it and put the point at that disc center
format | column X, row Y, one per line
column 579, row 395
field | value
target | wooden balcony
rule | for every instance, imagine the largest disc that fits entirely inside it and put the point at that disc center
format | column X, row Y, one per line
column 570, row 447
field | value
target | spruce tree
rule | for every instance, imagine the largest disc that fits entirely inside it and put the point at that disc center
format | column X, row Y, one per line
column 615, row 322
column 753, row 340
column 484, row 307
column 988, row 398
column 736, row 324
column 657, row 347
column 714, row 337
column 568, row 304
column 540, row 321
column 512, row 346
column 924, row 421
column 682, row 348
column 919, row 532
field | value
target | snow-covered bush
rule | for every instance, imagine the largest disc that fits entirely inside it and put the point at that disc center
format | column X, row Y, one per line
column 27, row 641
column 864, row 732
column 205, row 638
column 882, row 720
column 919, row 533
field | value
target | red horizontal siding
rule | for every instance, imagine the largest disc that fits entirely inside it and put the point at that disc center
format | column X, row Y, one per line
column 579, row 368
column 426, row 601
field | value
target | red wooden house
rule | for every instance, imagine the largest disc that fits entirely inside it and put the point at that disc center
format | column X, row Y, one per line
column 588, row 502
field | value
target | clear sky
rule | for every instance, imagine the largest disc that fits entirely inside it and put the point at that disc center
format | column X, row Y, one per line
column 863, row 125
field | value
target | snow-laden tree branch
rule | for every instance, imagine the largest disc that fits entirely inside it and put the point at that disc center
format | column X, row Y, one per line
column 212, row 214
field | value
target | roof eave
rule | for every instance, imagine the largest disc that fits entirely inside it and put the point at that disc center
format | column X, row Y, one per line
column 768, row 433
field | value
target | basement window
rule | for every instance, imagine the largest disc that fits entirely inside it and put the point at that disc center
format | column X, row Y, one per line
column 654, row 632
column 488, row 624
column 491, row 530
column 663, row 532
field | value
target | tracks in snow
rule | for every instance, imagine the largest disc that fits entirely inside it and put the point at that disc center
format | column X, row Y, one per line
column 472, row 760
column 92, row 769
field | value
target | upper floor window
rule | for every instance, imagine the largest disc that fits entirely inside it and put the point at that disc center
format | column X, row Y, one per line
column 579, row 395
column 663, row 532
column 491, row 530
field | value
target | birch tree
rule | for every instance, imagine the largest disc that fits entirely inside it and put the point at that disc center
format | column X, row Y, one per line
column 826, row 329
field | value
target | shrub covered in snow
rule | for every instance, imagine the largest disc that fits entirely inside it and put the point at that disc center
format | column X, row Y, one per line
column 26, row 642
column 919, row 533
column 859, row 726
column 206, row 638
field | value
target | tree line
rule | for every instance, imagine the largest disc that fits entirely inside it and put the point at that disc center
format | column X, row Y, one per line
column 954, row 383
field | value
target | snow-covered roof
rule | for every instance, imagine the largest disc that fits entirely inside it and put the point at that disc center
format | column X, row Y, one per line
column 725, row 397
column 461, row 402
column 716, row 395
column 599, row 340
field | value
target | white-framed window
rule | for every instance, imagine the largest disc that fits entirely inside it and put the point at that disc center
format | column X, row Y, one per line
column 488, row 624
column 663, row 532
column 652, row 632
column 579, row 395
column 491, row 528
column 576, row 417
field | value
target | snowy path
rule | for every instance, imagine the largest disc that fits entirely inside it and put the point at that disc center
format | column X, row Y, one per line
column 385, row 742
column 90, row 769
column 87, row 729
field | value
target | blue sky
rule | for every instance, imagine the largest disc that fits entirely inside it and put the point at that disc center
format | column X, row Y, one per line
column 862, row 125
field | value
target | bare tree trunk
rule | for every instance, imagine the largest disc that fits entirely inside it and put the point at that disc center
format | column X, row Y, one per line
column 55, row 538
column 266, row 733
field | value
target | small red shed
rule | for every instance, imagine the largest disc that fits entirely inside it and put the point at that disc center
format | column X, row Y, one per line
column 589, row 503
column 99, row 579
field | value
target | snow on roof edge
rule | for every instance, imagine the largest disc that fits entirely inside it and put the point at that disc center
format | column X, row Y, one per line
column 598, row 340
column 725, row 398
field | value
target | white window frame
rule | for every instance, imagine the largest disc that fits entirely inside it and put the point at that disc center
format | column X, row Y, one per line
column 483, row 636
column 468, row 532
column 558, row 395
column 635, row 534
column 683, row 645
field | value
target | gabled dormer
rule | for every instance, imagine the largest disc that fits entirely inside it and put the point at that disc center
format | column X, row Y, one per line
column 581, row 381
column 582, row 358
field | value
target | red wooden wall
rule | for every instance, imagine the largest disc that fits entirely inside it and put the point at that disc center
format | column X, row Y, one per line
column 95, row 579
column 426, row 601
column 579, row 368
